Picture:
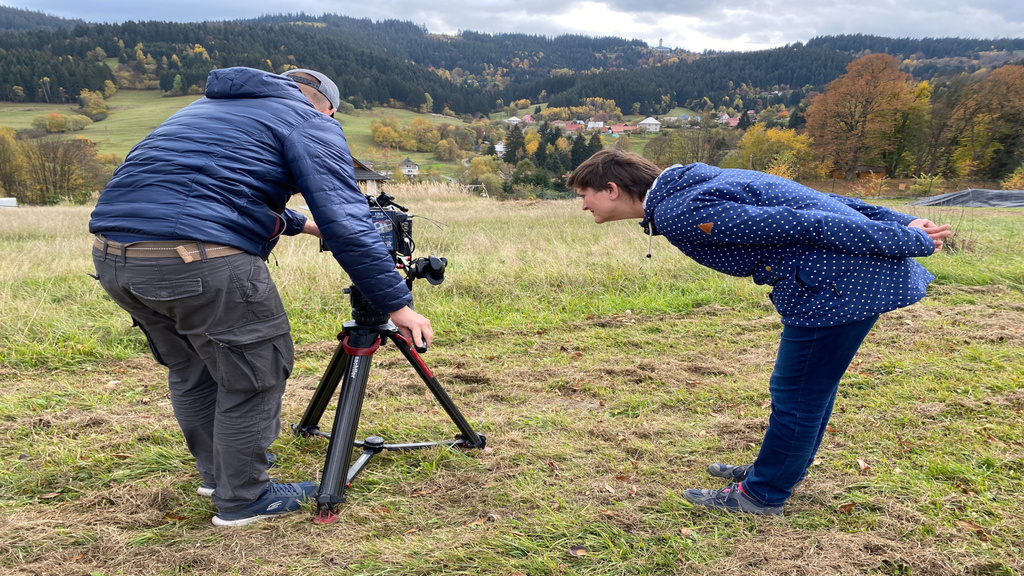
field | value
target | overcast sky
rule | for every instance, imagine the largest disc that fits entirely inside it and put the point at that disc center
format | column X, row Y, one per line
column 689, row 24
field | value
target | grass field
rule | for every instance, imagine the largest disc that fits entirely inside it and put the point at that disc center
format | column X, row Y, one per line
column 133, row 114
column 604, row 382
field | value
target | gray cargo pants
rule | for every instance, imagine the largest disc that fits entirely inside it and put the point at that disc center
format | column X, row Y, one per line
column 219, row 326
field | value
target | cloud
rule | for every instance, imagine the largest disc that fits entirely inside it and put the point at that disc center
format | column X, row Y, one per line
column 685, row 24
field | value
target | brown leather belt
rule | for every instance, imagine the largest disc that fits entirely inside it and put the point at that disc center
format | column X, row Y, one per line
column 187, row 250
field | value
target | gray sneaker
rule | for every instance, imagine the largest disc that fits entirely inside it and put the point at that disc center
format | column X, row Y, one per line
column 730, row 499
column 730, row 472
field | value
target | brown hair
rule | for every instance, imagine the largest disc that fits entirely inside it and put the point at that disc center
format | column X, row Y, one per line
column 633, row 173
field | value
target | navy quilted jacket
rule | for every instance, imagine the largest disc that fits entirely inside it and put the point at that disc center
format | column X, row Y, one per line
column 829, row 259
column 222, row 169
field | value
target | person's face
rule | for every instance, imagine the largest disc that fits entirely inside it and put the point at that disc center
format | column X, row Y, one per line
column 597, row 202
column 610, row 204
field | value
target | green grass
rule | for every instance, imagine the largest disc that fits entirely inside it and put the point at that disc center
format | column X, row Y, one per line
column 133, row 114
column 603, row 381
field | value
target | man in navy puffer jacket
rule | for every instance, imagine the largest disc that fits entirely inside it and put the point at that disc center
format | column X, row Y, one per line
column 182, row 232
column 834, row 264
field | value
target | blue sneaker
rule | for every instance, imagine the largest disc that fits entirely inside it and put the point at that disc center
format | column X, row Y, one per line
column 730, row 472
column 276, row 500
column 730, row 499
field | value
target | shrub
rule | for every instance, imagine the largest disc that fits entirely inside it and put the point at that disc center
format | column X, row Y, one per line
column 926, row 185
column 1015, row 181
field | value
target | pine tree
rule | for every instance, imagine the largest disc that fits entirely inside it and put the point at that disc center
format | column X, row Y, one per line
column 578, row 153
column 515, row 145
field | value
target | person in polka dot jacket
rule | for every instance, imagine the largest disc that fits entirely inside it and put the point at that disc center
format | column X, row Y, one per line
column 834, row 264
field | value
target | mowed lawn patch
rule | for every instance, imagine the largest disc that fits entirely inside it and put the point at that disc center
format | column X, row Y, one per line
column 604, row 382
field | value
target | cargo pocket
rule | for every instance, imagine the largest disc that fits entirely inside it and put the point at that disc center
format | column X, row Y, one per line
column 254, row 356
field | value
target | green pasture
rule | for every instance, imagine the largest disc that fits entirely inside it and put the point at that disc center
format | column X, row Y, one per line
column 605, row 383
column 133, row 114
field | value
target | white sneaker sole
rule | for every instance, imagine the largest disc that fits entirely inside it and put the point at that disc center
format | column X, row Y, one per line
column 218, row 521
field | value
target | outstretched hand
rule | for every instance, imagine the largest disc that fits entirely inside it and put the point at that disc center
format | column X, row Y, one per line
column 934, row 231
column 413, row 326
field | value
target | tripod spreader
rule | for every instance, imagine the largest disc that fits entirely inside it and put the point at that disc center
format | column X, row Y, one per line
column 350, row 367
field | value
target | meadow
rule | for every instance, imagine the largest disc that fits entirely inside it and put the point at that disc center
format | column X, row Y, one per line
column 604, row 382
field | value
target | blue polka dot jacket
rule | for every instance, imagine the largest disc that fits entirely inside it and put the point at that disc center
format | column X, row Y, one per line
column 829, row 259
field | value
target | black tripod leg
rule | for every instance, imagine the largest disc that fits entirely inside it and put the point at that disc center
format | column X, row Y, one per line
column 358, row 348
column 308, row 426
column 469, row 438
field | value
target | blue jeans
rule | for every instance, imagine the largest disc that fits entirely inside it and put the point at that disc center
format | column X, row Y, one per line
column 803, row 386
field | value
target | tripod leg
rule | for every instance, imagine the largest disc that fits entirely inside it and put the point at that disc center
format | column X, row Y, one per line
column 324, row 391
column 469, row 438
column 359, row 348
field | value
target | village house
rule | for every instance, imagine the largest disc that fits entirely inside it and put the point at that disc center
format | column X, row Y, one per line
column 367, row 178
column 618, row 129
column 568, row 127
column 409, row 168
column 649, row 125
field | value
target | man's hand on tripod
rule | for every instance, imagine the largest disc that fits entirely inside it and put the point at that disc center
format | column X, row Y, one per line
column 413, row 326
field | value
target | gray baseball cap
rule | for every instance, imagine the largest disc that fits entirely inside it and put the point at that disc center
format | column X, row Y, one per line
column 324, row 85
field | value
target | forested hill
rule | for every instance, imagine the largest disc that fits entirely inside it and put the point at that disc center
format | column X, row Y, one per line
column 13, row 19
column 399, row 63
column 473, row 54
column 921, row 48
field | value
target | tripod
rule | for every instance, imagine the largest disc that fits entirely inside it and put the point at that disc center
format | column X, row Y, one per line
column 350, row 366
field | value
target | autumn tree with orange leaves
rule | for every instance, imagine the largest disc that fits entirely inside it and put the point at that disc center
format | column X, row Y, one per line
column 857, row 118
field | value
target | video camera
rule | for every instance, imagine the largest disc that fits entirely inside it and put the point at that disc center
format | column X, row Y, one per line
column 394, row 225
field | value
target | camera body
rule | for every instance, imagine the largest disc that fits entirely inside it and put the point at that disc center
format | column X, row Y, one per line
column 395, row 229
column 394, row 226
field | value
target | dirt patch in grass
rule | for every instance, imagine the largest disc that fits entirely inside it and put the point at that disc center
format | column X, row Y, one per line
column 738, row 434
column 785, row 551
column 965, row 323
